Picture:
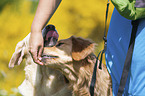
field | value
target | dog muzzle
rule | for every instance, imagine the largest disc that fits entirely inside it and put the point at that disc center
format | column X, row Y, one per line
column 50, row 36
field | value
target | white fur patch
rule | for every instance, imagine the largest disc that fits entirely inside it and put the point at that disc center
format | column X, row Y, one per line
column 49, row 82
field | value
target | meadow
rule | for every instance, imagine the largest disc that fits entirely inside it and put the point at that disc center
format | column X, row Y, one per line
column 77, row 17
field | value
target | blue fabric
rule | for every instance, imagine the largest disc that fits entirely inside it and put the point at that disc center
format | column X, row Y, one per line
column 117, row 45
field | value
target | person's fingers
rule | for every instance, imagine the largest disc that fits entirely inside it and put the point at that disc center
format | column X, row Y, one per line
column 34, row 56
column 39, row 62
column 40, row 53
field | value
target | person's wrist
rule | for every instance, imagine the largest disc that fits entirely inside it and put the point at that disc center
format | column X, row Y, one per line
column 35, row 32
column 36, row 28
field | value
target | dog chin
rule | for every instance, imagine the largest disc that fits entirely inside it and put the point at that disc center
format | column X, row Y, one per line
column 62, row 66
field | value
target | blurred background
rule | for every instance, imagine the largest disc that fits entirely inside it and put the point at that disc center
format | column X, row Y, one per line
column 83, row 18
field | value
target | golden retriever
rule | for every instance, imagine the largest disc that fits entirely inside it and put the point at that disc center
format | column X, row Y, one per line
column 39, row 80
column 74, row 57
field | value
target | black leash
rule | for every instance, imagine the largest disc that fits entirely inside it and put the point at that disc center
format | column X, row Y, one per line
column 128, row 58
column 93, row 81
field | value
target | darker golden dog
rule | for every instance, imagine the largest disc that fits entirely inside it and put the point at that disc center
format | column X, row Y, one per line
column 74, row 57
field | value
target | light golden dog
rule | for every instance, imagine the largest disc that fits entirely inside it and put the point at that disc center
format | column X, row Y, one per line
column 39, row 80
column 75, row 59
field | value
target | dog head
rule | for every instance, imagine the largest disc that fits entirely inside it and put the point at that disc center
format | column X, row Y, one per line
column 68, row 55
column 67, row 50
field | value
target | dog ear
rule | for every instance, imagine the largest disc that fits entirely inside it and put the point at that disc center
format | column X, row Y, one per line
column 18, row 55
column 81, row 48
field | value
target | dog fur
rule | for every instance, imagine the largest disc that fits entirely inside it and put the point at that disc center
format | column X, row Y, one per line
column 39, row 80
column 74, row 57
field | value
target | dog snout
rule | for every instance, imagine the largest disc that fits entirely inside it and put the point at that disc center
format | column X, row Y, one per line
column 50, row 35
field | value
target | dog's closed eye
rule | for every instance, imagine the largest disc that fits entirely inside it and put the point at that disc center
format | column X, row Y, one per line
column 59, row 44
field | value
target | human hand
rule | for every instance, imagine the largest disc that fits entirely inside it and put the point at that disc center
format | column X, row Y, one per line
column 36, row 46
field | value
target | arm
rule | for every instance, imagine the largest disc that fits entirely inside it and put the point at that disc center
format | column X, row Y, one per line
column 44, row 12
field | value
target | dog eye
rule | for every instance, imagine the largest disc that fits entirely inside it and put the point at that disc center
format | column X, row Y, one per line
column 59, row 44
